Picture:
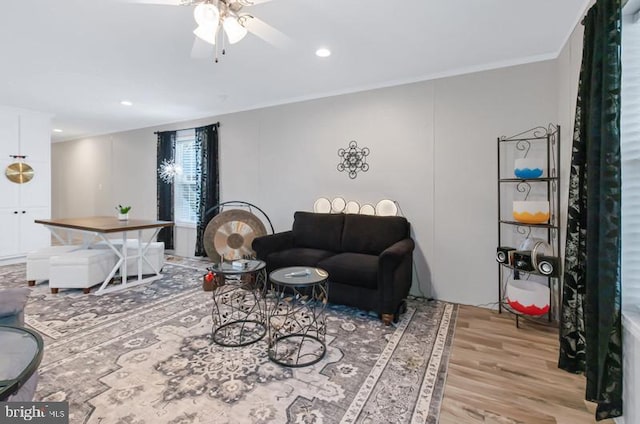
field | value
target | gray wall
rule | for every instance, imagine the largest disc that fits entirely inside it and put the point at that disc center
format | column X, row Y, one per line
column 433, row 149
column 568, row 73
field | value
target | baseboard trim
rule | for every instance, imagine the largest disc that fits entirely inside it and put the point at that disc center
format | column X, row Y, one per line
column 13, row 260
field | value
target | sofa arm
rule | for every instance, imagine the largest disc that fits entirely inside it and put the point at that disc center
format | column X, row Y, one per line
column 393, row 255
column 12, row 303
column 394, row 277
column 265, row 245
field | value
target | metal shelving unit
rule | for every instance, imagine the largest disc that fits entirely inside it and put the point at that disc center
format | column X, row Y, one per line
column 511, row 232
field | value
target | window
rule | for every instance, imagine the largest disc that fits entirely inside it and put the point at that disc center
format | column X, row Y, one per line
column 186, row 183
column 630, row 153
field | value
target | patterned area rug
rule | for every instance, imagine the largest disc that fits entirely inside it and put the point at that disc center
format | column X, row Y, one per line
column 145, row 356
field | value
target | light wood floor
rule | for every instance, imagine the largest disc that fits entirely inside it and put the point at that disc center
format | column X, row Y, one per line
column 501, row 374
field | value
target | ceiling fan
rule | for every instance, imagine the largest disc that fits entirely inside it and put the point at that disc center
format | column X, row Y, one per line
column 224, row 21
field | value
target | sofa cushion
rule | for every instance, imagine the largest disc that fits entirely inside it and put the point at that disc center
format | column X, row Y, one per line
column 12, row 303
column 318, row 230
column 298, row 256
column 372, row 234
column 354, row 269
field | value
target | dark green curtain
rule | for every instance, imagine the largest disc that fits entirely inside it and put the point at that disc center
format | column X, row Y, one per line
column 208, row 174
column 590, row 332
column 165, row 148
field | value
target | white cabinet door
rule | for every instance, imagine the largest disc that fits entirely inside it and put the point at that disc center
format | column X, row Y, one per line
column 8, row 134
column 9, row 228
column 9, row 191
column 37, row 192
column 34, row 236
column 20, row 234
column 24, row 133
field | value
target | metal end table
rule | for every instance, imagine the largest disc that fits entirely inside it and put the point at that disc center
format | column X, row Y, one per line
column 20, row 355
column 296, row 316
column 238, row 303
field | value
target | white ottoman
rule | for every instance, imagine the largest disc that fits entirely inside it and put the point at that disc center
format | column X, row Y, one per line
column 117, row 242
column 38, row 262
column 154, row 254
column 80, row 269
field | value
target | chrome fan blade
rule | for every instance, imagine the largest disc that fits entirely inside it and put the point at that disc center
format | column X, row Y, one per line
column 263, row 30
column 201, row 49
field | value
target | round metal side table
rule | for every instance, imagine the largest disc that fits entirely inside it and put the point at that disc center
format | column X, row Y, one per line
column 298, row 297
column 20, row 355
column 239, row 303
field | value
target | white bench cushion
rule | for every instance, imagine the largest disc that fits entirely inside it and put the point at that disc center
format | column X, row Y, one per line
column 81, row 269
column 116, row 242
column 154, row 254
column 38, row 261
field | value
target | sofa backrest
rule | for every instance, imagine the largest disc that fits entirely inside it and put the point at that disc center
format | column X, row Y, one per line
column 372, row 234
column 318, row 230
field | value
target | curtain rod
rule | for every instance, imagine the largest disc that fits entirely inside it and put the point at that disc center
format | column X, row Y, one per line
column 216, row 124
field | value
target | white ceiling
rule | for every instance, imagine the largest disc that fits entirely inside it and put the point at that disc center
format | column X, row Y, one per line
column 79, row 58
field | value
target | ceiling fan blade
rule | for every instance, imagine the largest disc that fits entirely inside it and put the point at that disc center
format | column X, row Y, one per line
column 263, row 30
column 201, row 49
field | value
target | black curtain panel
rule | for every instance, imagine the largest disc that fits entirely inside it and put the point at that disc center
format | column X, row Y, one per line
column 590, row 332
column 165, row 151
column 208, row 174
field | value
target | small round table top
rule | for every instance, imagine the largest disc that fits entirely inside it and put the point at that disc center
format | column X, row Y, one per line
column 297, row 276
column 21, row 353
column 238, row 267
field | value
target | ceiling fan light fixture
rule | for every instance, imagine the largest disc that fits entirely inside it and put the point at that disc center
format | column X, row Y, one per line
column 206, row 33
column 234, row 30
column 206, row 14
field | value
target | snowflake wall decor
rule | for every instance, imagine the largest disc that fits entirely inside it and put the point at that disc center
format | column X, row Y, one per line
column 168, row 171
column 354, row 159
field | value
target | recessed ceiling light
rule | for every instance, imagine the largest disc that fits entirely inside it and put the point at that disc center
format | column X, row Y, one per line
column 57, row 130
column 323, row 52
column 126, row 103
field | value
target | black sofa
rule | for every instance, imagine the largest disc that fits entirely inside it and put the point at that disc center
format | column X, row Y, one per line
column 369, row 258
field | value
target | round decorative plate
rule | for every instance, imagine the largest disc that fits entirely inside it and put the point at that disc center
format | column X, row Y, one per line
column 367, row 209
column 337, row 205
column 352, row 207
column 386, row 207
column 19, row 172
column 322, row 205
